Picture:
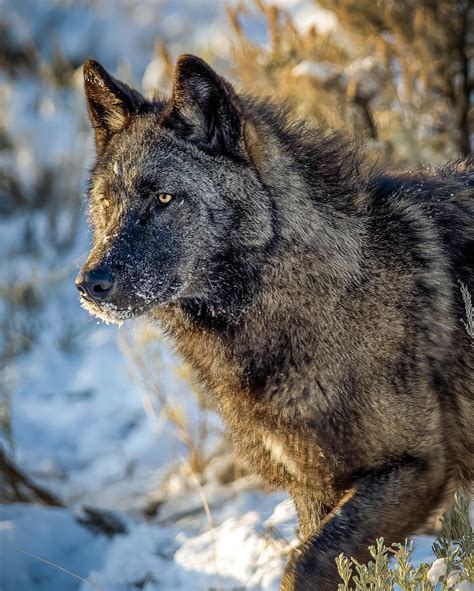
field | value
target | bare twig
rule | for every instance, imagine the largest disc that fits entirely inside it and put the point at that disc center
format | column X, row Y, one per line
column 15, row 486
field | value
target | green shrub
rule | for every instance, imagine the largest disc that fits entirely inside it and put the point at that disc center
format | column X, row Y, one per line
column 452, row 567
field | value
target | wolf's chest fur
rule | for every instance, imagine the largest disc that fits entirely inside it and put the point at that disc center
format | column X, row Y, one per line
column 281, row 449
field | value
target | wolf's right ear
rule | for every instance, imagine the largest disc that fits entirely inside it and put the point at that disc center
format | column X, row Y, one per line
column 205, row 110
column 110, row 103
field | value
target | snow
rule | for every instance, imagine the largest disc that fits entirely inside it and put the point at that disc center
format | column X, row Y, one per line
column 81, row 424
column 49, row 534
column 242, row 552
column 438, row 570
column 323, row 71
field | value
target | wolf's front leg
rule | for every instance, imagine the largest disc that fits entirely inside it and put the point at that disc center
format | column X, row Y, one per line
column 389, row 502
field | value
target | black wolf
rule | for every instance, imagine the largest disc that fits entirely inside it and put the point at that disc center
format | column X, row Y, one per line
column 318, row 300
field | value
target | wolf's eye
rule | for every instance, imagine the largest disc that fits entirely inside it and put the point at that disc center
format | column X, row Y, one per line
column 164, row 198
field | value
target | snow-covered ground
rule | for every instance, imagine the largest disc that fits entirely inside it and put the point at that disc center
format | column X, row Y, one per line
column 81, row 425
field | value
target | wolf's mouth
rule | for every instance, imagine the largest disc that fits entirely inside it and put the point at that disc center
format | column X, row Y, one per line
column 109, row 312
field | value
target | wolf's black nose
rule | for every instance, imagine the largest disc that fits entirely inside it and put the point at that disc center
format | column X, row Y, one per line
column 95, row 284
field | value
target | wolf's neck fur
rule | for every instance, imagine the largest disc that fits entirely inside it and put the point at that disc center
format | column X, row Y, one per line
column 334, row 167
column 274, row 338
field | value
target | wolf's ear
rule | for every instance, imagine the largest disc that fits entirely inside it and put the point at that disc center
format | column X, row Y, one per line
column 205, row 109
column 110, row 103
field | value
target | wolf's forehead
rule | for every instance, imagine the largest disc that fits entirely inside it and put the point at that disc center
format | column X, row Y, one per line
column 131, row 173
column 143, row 150
column 159, row 159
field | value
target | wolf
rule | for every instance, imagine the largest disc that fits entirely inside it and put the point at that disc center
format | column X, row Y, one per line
column 317, row 299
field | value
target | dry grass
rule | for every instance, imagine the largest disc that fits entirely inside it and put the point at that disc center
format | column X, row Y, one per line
column 147, row 367
column 469, row 322
column 387, row 72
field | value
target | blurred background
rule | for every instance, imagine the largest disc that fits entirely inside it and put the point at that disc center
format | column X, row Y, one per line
column 114, row 474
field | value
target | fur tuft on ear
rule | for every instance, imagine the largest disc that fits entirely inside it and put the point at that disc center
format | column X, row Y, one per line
column 110, row 103
column 205, row 109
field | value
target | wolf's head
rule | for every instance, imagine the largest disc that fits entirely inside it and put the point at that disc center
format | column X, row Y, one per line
column 176, row 202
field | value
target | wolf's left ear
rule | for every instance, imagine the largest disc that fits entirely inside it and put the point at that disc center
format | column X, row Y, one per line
column 205, row 109
column 110, row 103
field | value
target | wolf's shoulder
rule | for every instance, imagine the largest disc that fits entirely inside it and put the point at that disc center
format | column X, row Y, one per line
column 450, row 182
column 436, row 203
column 461, row 170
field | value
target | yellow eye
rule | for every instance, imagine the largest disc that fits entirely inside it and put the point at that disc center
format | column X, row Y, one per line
column 164, row 198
